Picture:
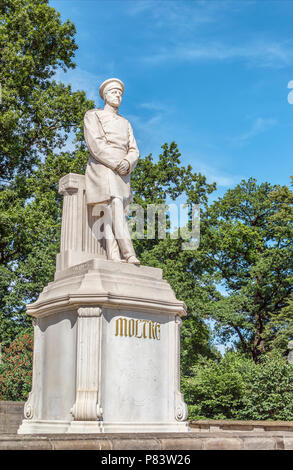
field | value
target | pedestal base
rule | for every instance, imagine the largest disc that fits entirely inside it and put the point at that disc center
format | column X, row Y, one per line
column 106, row 353
column 96, row 427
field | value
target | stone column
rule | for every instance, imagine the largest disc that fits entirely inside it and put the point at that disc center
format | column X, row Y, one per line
column 33, row 405
column 181, row 411
column 72, row 187
column 78, row 243
column 88, row 377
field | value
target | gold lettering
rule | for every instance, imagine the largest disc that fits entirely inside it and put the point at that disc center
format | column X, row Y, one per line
column 144, row 325
column 157, row 330
column 121, row 321
column 151, row 330
column 117, row 327
column 136, row 329
column 131, row 327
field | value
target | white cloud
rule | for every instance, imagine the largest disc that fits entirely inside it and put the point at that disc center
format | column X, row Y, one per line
column 259, row 126
column 147, row 131
column 185, row 19
column 151, row 133
column 156, row 106
column 214, row 174
column 152, row 130
column 136, row 8
column 80, row 79
column 184, row 16
column 262, row 54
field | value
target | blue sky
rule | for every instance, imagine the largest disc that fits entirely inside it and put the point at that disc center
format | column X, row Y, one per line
column 212, row 75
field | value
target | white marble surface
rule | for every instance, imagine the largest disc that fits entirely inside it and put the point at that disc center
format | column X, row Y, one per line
column 89, row 378
column 100, row 281
column 139, row 389
column 86, row 376
column 113, row 156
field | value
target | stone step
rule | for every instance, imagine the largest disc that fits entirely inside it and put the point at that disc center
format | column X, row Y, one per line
column 149, row 441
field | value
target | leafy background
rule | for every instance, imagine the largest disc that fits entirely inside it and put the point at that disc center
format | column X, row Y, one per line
column 237, row 286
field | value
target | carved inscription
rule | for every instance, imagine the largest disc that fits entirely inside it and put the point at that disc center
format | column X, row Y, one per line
column 137, row 328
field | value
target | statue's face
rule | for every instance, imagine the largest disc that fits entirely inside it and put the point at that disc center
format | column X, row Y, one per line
column 113, row 97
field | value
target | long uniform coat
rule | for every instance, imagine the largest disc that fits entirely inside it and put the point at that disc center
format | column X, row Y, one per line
column 110, row 139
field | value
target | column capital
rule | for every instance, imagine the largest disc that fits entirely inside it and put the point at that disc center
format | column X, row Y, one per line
column 71, row 182
column 89, row 311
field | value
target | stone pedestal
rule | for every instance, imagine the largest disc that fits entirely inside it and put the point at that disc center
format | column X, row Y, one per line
column 107, row 343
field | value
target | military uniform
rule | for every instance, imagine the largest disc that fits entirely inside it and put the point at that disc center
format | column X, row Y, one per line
column 110, row 139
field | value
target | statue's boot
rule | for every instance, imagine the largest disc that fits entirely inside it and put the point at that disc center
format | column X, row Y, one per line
column 133, row 260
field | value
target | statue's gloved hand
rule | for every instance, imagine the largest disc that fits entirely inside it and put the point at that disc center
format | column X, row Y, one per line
column 123, row 167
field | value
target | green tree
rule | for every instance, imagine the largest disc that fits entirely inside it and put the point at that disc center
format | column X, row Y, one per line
column 37, row 116
column 36, row 112
column 235, row 387
column 215, row 389
column 249, row 241
column 38, row 236
column 188, row 273
column 282, row 325
column 31, row 236
column 16, row 368
column 269, row 390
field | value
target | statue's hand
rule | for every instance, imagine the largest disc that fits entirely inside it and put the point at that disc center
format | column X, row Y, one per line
column 123, row 167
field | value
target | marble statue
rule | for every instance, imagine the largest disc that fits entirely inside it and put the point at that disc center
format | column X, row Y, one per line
column 106, row 332
column 114, row 155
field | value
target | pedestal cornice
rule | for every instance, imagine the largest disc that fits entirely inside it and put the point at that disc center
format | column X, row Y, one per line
column 106, row 283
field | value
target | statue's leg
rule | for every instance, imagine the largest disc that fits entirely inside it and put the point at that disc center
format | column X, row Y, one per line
column 102, row 229
column 112, row 248
column 120, row 228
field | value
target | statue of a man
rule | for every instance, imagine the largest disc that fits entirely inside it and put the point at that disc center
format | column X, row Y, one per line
column 114, row 155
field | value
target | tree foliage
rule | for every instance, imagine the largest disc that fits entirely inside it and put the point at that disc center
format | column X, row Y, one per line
column 237, row 388
column 160, row 182
column 245, row 245
column 37, row 116
column 16, row 368
column 249, row 242
column 37, row 113
column 38, row 236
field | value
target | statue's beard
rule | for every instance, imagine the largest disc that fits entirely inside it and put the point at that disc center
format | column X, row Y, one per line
column 114, row 103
